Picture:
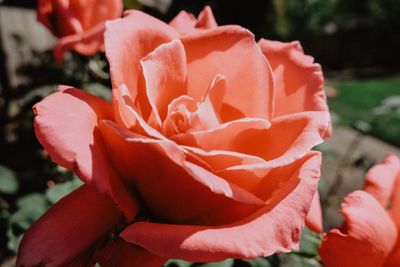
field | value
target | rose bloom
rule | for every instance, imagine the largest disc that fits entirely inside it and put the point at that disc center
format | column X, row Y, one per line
column 203, row 154
column 369, row 235
column 79, row 24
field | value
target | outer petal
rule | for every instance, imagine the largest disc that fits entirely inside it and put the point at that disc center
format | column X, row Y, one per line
column 314, row 216
column 186, row 23
column 194, row 194
column 66, row 125
column 299, row 81
column 67, row 229
column 127, row 41
column 123, row 254
column 275, row 228
column 232, row 52
column 380, row 179
column 366, row 238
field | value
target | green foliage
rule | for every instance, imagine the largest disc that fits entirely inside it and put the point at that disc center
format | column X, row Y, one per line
column 58, row 191
column 225, row 263
column 358, row 100
column 29, row 209
column 259, row 262
column 8, row 181
column 293, row 260
column 132, row 4
column 309, row 242
column 178, row 263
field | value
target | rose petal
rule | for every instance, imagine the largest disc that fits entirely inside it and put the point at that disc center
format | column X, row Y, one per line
column 93, row 12
column 299, row 81
column 274, row 228
column 58, row 18
column 216, row 160
column 127, row 116
column 164, row 71
column 57, row 118
column 123, row 254
column 85, row 43
column 380, row 179
column 232, row 52
column 366, row 238
column 186, row 23
column 226, row 137
column 206, row 19
column 275, row 144
column 67, row 229
column 314, row 216
column 395, row 204
column 127, row 41
column 193, row 193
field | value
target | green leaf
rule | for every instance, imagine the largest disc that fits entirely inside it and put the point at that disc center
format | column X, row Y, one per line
column 58, row 191
column 30, row 208
column 179, row 263
column 225, row 263
column 13, row 240
column 259, row 262
column 309, row 242
column 293, row 260
column 8, row 181
column 133, row 4
column 99, row 90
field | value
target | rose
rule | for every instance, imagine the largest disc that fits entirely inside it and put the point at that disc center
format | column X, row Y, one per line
column 78, row 24
column 372, row 222
column 203, row 154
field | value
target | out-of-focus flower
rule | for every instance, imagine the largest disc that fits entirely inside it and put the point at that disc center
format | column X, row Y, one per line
column 203, row 154
column 78, row 24
column 369, row 235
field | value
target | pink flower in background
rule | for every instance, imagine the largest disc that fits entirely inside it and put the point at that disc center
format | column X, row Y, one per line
column 203, row 154
column 369, row 235
column 78, row 24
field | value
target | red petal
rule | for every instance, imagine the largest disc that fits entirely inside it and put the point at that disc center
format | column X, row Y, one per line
column 275, row 228
column 69, row 228
column 366, row 238
column 123, row 254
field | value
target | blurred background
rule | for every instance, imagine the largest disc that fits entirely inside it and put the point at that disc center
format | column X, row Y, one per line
column 357, row 42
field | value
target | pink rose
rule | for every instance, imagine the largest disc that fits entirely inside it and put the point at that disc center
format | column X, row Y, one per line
column 79, row 24
column 203, row 154
column 369, row 235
